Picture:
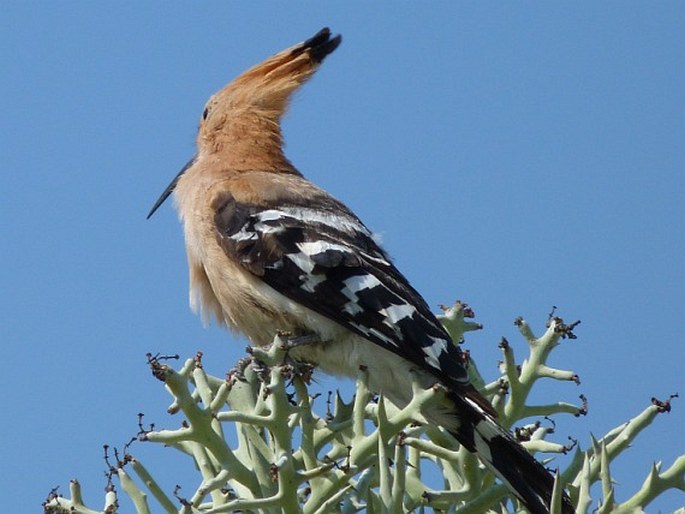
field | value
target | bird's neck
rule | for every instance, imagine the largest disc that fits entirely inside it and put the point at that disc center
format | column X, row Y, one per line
column 254, row 144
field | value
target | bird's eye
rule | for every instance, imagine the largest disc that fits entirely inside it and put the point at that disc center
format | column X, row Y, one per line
column 205, row 113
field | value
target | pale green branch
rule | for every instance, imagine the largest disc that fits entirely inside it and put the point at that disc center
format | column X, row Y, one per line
column 365, row 455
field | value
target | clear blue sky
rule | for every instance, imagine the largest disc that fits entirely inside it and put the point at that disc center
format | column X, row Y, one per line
column 514, row 155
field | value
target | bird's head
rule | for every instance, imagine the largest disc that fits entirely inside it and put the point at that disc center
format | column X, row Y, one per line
column 247, row 112
column 261, row 94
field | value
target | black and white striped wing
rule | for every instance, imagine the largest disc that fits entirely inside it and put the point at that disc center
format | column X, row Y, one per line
column 324, row 258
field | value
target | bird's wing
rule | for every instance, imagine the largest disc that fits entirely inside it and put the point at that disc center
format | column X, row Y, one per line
column 321, row 256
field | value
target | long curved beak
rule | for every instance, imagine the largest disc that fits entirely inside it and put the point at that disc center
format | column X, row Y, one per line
column 170, row 188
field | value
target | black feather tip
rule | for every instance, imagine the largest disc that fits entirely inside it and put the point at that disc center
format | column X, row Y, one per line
column 320, row 45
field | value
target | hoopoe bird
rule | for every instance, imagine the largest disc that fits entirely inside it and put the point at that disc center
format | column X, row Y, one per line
column 268, row 252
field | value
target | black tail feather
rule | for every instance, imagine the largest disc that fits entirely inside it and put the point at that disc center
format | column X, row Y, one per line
column 529, row 480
